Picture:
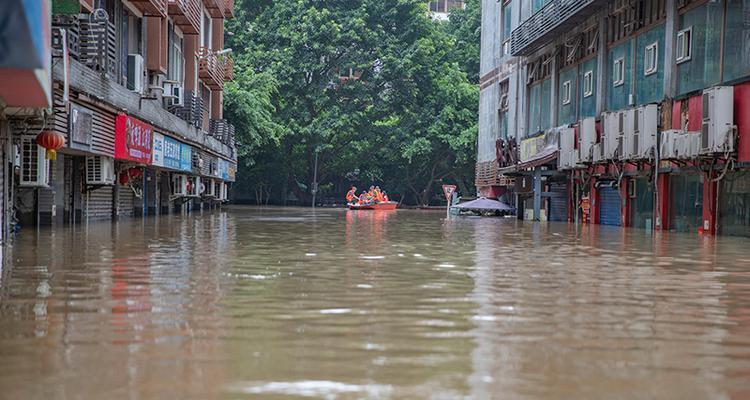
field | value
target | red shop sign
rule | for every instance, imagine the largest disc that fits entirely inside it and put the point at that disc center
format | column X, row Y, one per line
column 133, row 139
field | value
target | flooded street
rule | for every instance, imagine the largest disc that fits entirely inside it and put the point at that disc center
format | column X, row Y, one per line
column 291, row 303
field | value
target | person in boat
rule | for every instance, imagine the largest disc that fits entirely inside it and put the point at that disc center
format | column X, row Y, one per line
column 385, row 197
column 351, row 195
column 365, row 198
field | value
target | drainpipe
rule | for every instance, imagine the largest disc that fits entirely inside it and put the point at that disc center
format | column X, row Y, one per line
column 537, row 193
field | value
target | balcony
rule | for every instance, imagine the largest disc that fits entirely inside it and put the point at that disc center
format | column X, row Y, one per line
column 186, row 14
column 222, row 130
column 552, row 21
column 215, row 8
column 228, row 8
column 151, row 8
column 228, row 63
column 210, row 69
column 191, row 109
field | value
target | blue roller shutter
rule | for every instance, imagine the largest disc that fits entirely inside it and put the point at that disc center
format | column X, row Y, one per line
column 558, row 202
column 609, row 206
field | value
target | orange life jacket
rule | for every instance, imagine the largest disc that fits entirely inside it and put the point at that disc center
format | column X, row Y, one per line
column 350, row 196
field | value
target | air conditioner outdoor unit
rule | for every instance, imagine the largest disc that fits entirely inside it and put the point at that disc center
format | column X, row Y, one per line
column 630, row 134
column 717, row 129
column 619, row 138
column 174, row 93
column 612, row 135
column 597, row 155
column 566, row 146
column 179, row 185
column 682, row 145
column 100, row 170
column 34, row 167
column 694, row 144
column 587, row 133
column 648, row 126
column 667, row 148
column 575, row 159
column 135, row 72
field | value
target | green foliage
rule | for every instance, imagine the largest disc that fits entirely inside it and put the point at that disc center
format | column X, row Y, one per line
column 404, row 116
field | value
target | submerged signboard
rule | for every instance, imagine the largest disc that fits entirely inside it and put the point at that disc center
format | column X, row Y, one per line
column 133, row 139
column 174, row 154
column 171, row 153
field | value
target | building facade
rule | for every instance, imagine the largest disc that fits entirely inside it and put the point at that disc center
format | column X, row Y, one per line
column 440, row 9
column 135, row 90
column 629, row 113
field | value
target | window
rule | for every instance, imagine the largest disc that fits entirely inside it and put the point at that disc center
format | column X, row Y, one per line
column 206, row 32
column 566, row 93
column 684, row 45
column 650, row 60
column 176, row 61
column 588, row 84
column 504, row 89
column 618, row 72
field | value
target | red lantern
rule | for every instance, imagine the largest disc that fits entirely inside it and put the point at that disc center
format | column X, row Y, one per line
column 135, row 173
column 124, row 178
column 51, row 141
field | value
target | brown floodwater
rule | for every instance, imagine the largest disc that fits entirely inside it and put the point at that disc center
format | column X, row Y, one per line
column 294, row 304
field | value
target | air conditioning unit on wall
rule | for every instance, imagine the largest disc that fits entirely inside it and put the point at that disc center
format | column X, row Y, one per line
column 223, row 195
column 587, row 136
column 34, row 167
column 648, row 126
column 210, row 188
column 667, row 148
column 717, row 128
column 179, row 185
column 100, row 170
column 614, row 125
column 135, row 72
column 597, row 153
column 630, row 134
column 566, row 147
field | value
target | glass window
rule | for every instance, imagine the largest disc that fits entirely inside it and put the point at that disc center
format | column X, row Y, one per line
column 737, row 40
column 620, row 76
column 734, row 204
column 588, row 89
column 534, row 109
column 649, row 81
column 700, row 48
column 546, row 109
column 641, row 195
column 651, row 62
column 567, row 110
column 618, row 72
column 684, row 45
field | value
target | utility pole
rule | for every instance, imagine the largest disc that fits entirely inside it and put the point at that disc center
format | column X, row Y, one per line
column 315, row 178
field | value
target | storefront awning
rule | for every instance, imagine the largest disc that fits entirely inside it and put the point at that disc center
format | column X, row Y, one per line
column 544, row 157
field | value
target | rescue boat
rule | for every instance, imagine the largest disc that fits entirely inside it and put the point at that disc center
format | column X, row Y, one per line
column 386, row 205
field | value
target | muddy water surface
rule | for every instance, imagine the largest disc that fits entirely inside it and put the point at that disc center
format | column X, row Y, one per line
column 291, row 304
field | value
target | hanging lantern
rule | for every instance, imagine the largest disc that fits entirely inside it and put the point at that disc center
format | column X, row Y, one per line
column 135, row 173
column 51, row 141
column 124, row 178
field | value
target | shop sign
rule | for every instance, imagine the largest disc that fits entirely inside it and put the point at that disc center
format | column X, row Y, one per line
column 186, row 157
column 157, row 150
column 80, row 123
column 231, row 172
column 133, row 139
column 171, row 153
column 223, row 169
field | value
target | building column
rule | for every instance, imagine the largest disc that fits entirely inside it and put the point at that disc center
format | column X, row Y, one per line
column 602, row 67
column 670, row 29
column 151, row 189
column 662, row 207
column 537, row 193
column 710, row 205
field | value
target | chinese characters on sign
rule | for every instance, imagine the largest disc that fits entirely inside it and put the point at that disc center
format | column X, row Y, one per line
column 133, row 140
column 157, row 152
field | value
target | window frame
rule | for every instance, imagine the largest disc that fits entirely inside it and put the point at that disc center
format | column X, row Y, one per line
column 567, row 95
column 619, row 70
column 686, row 32
column 588, row 80
column 651, row 69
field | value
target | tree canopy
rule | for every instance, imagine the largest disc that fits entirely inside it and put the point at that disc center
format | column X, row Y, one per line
column 377, row 89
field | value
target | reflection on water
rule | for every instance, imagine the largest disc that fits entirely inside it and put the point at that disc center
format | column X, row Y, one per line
column 290, row 303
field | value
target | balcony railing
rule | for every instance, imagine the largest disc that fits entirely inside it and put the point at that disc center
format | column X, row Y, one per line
column 191, row 109
column 186, row 14
column 210, row 69
column 228, row 8
column 215, row 8
column 550, row 22
column 151, row 8
column 222, row 130
column 228, row 63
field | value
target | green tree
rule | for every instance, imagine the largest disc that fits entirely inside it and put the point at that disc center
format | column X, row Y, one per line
column 376, row 88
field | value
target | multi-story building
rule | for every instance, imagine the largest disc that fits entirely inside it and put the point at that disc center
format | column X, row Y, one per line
column 440, row 9
column 136, row 94
column 629, row 112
